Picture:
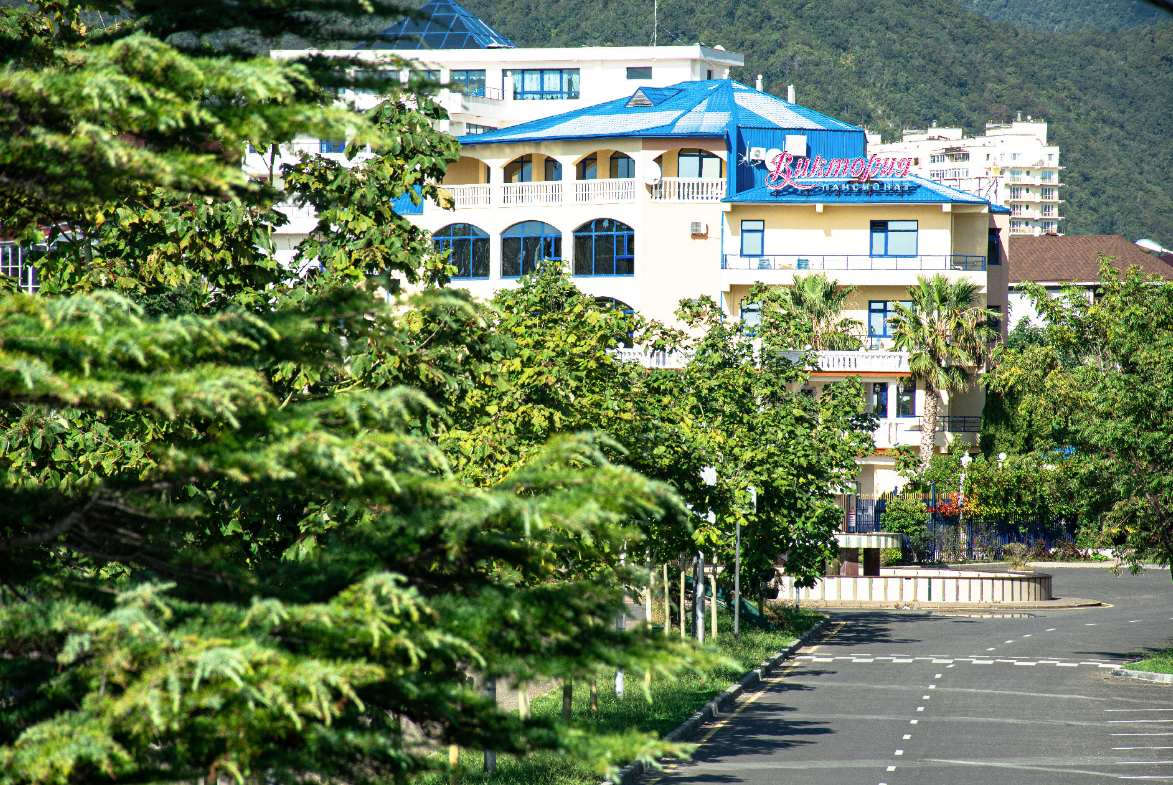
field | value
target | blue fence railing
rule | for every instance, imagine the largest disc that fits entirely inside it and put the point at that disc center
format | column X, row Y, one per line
column 852, row 262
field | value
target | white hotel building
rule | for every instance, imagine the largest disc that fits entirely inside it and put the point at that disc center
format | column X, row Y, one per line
column 1012, row 165
column 662, row 193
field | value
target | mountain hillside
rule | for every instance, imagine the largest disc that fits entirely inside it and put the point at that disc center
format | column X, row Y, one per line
column 892, row 64
column 1065, row 16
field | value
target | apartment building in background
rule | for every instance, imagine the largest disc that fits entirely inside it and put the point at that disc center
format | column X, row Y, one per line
column 1011, row 165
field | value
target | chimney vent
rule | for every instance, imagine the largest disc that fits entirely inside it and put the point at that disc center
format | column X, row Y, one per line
column 758, row 84
column 790, row 93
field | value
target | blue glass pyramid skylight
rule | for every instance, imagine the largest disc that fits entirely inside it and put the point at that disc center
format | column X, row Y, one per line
column 448, row 26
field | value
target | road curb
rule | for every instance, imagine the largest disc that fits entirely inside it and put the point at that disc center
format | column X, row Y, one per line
column 1160, row 678
column 894, row 605
column 634, row 770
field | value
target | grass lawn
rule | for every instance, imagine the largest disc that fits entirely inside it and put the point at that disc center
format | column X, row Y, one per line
column 1160, row 661
column 672, row 703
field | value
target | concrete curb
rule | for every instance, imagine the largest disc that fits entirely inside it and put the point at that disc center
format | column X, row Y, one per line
column 1160, row 678
column 634, row 770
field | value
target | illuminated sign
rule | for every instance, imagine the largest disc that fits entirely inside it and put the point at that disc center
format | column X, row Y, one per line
column 784, row 175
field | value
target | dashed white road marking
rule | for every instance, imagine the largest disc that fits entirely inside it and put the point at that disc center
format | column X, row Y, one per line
column 1010, row 641
column 1091, row 624
column 909, row 736
column 932, row 687
column 1134, row 748
column 920, row 708
column 1134, row 621
column 937, row 676
column 924, row 697
column 1052, row 629
column 1161, row 709
column 899, row 752
column 912, row 722
column 990, row 649
column 1114, row 722
column 891, row 768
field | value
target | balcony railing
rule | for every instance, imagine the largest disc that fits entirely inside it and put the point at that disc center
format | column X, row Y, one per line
column 861, row 262
column 586, row 191
column 960, row 423
column 518, row 194
column 857, row 362
column 689, row 189
column 469, row 195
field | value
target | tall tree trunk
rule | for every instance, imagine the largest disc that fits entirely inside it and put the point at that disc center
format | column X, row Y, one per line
column 928, row 425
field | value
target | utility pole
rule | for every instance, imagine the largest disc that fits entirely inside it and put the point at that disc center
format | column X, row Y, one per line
column 655, row 20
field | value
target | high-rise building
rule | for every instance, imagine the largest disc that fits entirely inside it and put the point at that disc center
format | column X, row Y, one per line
column 1011, row 165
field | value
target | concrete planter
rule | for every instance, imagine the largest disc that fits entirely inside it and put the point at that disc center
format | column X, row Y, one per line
column 912, row 585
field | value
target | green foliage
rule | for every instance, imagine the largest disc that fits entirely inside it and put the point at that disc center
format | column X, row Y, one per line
column 768, row 441
column 947, row 335
column 905, row 514
column 1066, row 16
column 813, row 308
column 1159, row 661
column 887, row 66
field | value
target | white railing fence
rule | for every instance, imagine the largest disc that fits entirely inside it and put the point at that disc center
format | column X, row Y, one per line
column 517, row 194
column 604, row 191
column 689, row 189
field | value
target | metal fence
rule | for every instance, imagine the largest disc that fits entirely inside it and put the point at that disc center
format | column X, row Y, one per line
column 14, row 262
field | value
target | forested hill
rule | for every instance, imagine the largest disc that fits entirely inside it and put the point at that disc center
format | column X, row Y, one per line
column 888, row 65
column 1065, row 16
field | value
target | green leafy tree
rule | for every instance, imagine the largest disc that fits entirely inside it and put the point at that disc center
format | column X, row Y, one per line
column 947, row 335
column 907, row 514
column 779, row 454
column 817, row 304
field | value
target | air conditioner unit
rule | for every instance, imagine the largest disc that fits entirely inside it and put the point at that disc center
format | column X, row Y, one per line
column 757, row 153
column 698, row 227
column 796, row 145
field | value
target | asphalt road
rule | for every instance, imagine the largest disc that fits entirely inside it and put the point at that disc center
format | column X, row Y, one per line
column 912, row 698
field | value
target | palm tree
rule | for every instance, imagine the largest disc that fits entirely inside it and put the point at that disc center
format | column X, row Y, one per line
column 947, row 335
column 819, row 302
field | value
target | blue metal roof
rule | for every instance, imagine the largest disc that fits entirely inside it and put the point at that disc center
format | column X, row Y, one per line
column 447, row 25
column 706, row 108
column 842, row 190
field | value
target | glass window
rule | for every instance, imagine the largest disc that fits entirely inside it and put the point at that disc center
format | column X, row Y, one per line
column 588, row 168
column 698, row 163
column 753, row 238
column 993, row 247
column 473, row 128
column 622, row 166
column 880, row 399
column 604, row 247
column 553, row 170
column 325, row 146
column 751, row 314
column 547, row 84
column 525, row 245
column 879, row 312
column 469, row 248
column 520, row 170
column 639, row 72
column 467, row 82
column 893, row 238
column 906, row 399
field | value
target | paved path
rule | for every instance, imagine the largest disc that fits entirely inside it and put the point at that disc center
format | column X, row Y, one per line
column 917, row 698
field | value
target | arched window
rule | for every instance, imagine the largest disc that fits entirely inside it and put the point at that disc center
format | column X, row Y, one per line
column 526, row 245
column 622, row 167
column 520, row 170
column 751, row 315
column 469, row 246
column 588, row 168
column 698, row 163
column 604, row 246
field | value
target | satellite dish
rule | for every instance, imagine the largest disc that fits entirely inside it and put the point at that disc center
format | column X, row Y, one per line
column 652, row 173
column 772, row 155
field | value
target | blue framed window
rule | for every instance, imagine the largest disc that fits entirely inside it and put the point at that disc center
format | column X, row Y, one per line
column 893, row 238
column 525, row 245
column 751, row 315
column 325, row 146
column 520, row 170
column 879, row 312
column 473, row 128
column 880, row 399
column 467, row 82
column 604, row 246
column 546, row 84
column 753, row 238
column 625, row 309
column 469, row 246
column 698, row 163
column 994, row 247
column 588, row 168
column 622, row 167
column 553, row 170
column 906, row 399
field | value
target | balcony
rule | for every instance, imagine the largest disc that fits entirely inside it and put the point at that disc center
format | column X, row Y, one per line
column 848, row 363
column 689, row 189
column 862, row 262
column 959, row 423
column 544, row 194
column 525, row 194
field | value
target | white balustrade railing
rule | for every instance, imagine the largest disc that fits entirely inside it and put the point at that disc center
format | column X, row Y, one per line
column 518, row 194
column 469, row 195
column 689, row 189
column 652, row 359
column 858, row 362
column 604, row 191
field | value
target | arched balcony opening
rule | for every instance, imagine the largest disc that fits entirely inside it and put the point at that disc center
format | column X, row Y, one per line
column 532, row 179
column 604, row 246
column 469, row 249
column 690, row 174
column 526, row 245
column 605, row 176
column 468, row 181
